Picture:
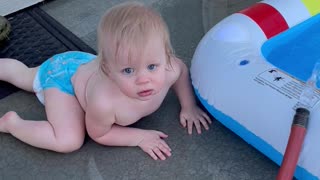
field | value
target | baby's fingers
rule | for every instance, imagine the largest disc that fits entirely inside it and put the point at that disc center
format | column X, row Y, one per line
column 208, row 119
column 161, row 134
column 183, row 121
column 165, row 148
column 163, row 143
column 152, row 154
column 190, row 125
column 204, row 123
column 157, row 151
column 198, row 126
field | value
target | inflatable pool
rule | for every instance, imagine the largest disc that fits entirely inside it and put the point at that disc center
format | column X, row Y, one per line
column 250, row 69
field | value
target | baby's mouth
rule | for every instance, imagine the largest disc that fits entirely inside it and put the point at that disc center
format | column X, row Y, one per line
column 145, row 93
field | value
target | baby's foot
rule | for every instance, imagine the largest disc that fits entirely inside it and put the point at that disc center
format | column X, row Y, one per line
column 5, row 118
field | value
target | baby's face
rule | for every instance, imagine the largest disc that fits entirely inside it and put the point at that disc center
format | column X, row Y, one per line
column 143, row 74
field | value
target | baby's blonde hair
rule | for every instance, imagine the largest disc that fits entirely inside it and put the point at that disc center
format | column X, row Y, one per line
column 130, row 24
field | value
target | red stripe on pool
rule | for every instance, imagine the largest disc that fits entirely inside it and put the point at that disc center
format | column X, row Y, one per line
column 267, row 17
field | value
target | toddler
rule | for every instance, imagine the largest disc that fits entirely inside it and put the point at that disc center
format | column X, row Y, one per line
column 103, row 94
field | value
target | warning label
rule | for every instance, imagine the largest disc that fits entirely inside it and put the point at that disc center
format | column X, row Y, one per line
column 285, row 85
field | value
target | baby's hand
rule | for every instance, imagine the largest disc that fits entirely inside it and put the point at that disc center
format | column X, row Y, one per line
column 153, row 144
column 194, row 116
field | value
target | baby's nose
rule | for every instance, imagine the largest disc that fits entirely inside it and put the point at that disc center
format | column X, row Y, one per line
column 142, row 78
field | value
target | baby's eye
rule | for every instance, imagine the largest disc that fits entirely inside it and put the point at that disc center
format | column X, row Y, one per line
column 127, row 71
column 152, row 67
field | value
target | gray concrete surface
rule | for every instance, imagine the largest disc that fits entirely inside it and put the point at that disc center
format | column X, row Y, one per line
column 214, row 11
column 216, row 154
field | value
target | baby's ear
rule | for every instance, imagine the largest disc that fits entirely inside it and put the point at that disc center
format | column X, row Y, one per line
column 170, row 64
column 104, row 67
column 169, row 61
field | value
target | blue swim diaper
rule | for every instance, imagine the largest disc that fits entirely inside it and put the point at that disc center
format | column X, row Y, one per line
column 57, row 71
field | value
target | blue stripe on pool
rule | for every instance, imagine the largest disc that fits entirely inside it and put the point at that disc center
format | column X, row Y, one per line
column 252, row 139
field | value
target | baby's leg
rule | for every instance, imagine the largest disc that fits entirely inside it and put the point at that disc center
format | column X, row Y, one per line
column 63, row 132
column 17, row 73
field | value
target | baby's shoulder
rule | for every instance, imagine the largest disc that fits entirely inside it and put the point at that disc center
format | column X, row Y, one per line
column 99, row 110
column 100, row 114
column 100, row 99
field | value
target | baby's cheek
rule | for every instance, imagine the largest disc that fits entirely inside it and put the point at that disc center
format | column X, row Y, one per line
column 127, row 87
column 162, row 82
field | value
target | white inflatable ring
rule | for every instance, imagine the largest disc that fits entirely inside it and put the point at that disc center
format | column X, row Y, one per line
column 252, row 89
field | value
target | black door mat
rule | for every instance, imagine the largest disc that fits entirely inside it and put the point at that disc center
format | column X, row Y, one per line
column 35, row 36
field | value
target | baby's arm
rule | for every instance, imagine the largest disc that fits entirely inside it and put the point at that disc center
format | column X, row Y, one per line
column 190, row 114
column 101, row 127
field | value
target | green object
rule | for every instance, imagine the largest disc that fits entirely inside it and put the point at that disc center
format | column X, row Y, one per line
column 5, row 28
